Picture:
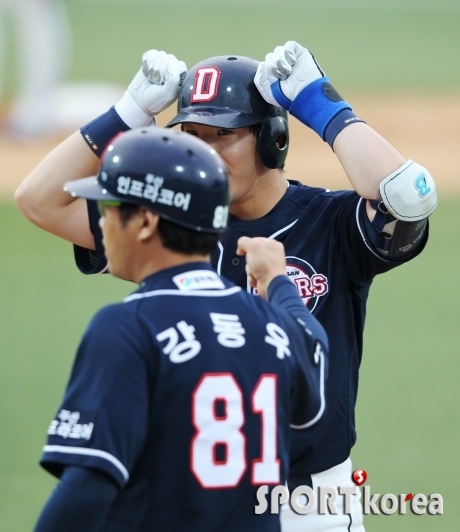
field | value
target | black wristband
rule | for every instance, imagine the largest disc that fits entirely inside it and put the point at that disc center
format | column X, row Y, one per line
column 100, row 131
column 341, row 120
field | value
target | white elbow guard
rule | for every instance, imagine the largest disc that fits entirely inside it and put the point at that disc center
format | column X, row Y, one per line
column 409, row 194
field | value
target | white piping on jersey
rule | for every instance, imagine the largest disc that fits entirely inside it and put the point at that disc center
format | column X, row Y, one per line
column 200, row 293
column 89, row 452
column 321, row 393
column 219, row 264
column 274, row 235
column 362, row 234
column 106, row 267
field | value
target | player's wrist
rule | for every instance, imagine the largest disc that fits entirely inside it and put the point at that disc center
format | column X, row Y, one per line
column 100, row 131
column 317, row 104
column 131, row 114
column 343, row 119
column 276, row 284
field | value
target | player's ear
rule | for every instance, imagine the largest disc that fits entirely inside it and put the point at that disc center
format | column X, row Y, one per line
column 148, row 224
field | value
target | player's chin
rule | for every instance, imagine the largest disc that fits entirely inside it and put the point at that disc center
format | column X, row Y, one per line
column 120, row 270
column 116, row 272
column 236, row 190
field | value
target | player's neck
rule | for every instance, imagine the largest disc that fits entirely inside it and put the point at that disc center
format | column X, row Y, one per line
column 163, row 260
column 261, row 198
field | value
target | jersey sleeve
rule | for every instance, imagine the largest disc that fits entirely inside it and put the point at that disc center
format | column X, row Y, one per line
column 308, row 392
column 91, row 261
column 103, row 418
column 79, row 502
column 310, row 351
column 358, row 257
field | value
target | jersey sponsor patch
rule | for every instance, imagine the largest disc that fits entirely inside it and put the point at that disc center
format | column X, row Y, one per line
column 310, row 284
column 198, row 280
column 74, row 426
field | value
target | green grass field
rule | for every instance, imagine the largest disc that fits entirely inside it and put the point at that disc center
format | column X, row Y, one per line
column 366, row 44
column 407, row 414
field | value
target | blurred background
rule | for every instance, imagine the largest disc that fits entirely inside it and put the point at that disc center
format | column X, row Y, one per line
column 62, row 62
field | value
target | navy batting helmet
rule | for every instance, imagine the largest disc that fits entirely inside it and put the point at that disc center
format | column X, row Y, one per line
column 220, row 92
column 174, row 174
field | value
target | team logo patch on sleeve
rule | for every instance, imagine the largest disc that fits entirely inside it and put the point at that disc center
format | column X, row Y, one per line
column 72, row 426
column 310, row 284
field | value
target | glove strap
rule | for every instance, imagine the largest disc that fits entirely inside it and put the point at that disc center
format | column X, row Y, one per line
column 280, row 97
column 317, row 104
column 131, row 114
column 100, row 131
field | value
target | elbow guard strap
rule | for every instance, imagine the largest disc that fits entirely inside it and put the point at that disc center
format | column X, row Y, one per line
column 409, row 194
column 403, row 240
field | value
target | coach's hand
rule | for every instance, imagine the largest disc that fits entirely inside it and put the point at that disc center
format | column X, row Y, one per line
column 265, row 260
column 154, row 88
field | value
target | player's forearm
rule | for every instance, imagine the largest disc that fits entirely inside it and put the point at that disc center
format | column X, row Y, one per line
column 79, row 503
column 366, row 157
column 291, row 78
column 41, row 197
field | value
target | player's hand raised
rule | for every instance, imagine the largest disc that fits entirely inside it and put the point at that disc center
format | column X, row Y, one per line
column 290, row 68
column 154, row 88
column 265, row 260
column 291, row 78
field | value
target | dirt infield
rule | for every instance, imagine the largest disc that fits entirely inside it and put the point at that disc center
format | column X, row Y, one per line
column 423, row 128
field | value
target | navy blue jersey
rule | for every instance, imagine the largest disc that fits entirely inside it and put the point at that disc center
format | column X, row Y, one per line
column 183, row 394
column 332, row 263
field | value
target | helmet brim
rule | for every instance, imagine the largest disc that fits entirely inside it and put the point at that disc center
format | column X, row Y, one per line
column 89, row 188
column 216, row 118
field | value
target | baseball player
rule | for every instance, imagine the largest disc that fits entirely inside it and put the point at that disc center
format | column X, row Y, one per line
column 180, row 399
column 335, row 242
column 42, row 34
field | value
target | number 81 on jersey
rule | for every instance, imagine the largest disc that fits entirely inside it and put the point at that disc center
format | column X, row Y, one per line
column 213, row 430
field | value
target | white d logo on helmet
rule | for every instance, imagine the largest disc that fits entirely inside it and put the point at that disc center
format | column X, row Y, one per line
column 206, row 83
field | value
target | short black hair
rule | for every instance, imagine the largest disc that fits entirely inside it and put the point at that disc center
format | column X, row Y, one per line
column 255, row 129
column 175, row 237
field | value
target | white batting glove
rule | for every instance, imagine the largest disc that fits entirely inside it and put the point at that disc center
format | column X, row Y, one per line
column 291, row 78
column 293, row 66
column 154, row 88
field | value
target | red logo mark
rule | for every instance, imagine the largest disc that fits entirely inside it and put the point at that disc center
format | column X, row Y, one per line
column 359, row 477
column 408, row 497
column 206, row 83
column 308, row 286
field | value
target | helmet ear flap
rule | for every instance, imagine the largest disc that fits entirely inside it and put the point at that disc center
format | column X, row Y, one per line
column 273, row 142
